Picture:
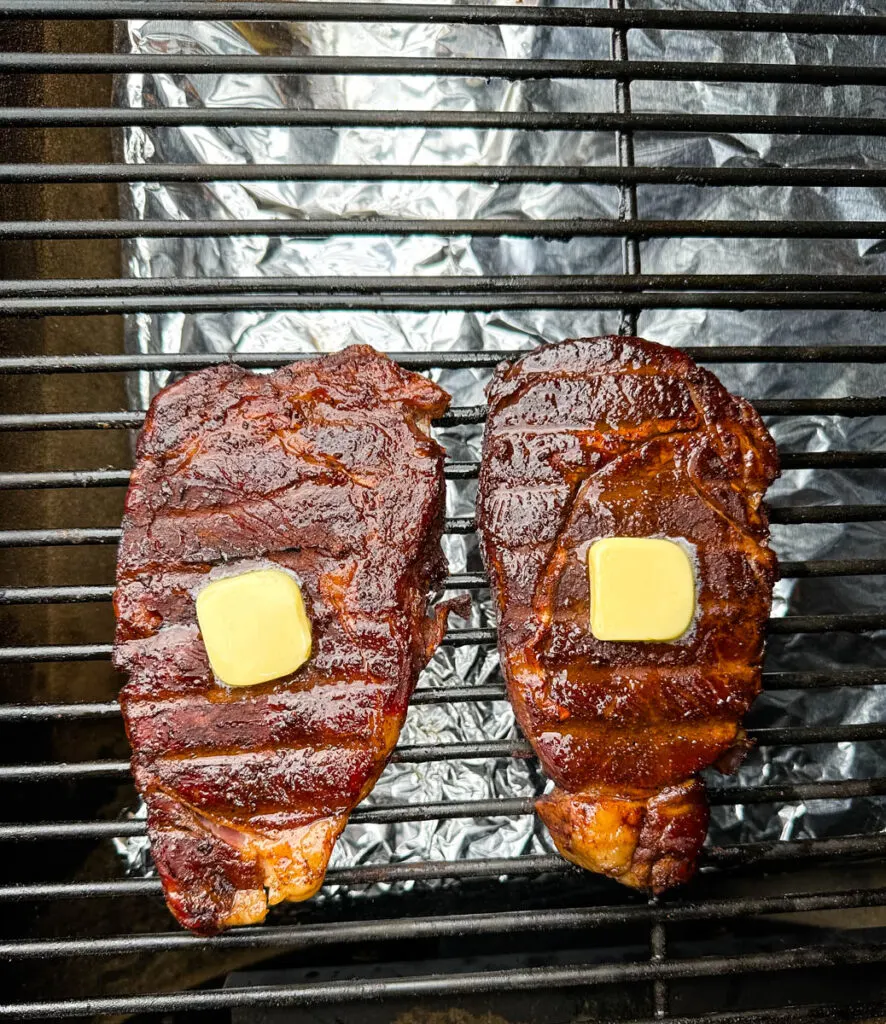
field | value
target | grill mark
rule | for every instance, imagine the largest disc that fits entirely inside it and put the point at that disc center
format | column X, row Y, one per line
column 641, row 427
column 233, row 755
column 654, row 756
column 275, row 423
column 500, row 405
column 715, row 607
column 596, row 730
column 637, row 698
column 534, row 377
column 330, row 619
column 332, row 712
column 240, row 506
column 245, row 784
column 245, row 827
column 230, row 695
column 305, row 680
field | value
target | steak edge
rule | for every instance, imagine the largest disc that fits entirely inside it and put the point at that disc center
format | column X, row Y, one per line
column 326, row 469
column 604, row 437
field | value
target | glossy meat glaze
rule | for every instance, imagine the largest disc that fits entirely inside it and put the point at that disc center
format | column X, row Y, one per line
column 612, row 437
column 325, row 468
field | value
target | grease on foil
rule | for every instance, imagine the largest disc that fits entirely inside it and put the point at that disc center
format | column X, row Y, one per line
column 435, row 332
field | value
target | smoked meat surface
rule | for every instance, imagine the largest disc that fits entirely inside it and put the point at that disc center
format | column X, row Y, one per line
column 620, row 437
column 325, row 469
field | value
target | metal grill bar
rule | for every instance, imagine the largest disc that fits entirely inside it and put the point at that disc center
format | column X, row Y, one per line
column 484, row 67
column 476, row 14
column 457, row 581
column 771, row 681
column 819, row 680
column 456, row 416
column 452, row 470
column 383, row 815
column 25, row 173
column 817, row 1013
column 420, row 754
column 100, row 535
column 631, row 265
column 444, row 695
column 111, row 709
column 38, row 831
column 516, row 979
column 578, row 228
column 396, row 929
column 364, row 875
column 853, row 622
column 845, row 789
column 794, row 515
column 658, row 955
column 583, row 121
column 98, row 652
column 849, row 407
column 624, row 145
column 424, row 360
column 744, row 854
column 64, row 537
column 443, row 301
column 118, row 287
column 816, row 569
column 799, row 514
column 58, row 712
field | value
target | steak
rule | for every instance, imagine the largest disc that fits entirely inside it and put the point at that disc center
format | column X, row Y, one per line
column 325, row 469
column 620, row 437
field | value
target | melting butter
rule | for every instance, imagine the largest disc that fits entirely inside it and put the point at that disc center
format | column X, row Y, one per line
column 642, row 589
column 254, row 626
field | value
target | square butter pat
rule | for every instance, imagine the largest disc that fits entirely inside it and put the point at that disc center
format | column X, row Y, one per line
column 254, row 626
column 642, row 588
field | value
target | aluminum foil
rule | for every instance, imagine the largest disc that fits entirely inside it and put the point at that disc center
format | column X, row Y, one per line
column 249, row 257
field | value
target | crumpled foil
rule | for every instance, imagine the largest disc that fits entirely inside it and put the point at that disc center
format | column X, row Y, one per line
column 318, row 332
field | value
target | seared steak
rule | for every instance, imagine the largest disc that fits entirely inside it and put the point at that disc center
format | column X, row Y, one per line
column 619, row 437
column 324, row 468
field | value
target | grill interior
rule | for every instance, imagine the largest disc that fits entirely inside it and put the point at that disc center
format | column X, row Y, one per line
column 789, row 930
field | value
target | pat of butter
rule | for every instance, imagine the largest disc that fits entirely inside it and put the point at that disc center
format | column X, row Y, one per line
column 254, row 626
column 642, row 588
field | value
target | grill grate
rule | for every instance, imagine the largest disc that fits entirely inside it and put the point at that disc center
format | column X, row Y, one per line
column 665, row 965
